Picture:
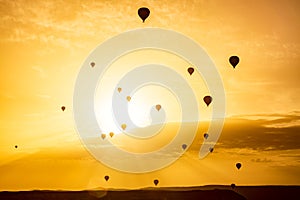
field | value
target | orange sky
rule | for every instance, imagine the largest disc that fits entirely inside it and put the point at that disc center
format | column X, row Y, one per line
column 44, row 43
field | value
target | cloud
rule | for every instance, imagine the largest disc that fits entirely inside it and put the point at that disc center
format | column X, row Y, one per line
column 48, row 22
column 265, row 133
column 41, row 71
column 60, row 22
column 261, row 160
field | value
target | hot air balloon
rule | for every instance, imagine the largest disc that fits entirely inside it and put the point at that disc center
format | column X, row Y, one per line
column 184, row 146
column 156, row 182
column 238, row 165
column 207, row 100
column 234, row 60
column 92, row 64
column 190, row 70
column 16, row 146
column 143, row 13
column 211, row 149
column 123, row 126
column 103, row 136
column 106, row 178
column 205, row 135
column 111, row 134
column 158, row 107
column 232, row 185
column 119, row 89
column 128, row 98
column 63, row 108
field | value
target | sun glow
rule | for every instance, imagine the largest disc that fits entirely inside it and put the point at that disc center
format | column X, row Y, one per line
column 148, row 96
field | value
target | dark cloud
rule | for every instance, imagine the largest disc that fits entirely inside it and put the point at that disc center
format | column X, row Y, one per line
column 270, row 132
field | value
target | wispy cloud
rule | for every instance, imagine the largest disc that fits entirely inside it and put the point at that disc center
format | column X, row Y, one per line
column 59, row 22
column 41, row 71
column 261, row 160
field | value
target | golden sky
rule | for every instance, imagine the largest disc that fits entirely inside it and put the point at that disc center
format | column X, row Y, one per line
column 44, row 43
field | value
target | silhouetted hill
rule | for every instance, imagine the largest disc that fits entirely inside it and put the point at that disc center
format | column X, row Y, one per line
column 188, row 193
column 126, row 195
column 269, row 192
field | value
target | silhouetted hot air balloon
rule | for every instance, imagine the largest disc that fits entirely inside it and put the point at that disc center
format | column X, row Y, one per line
column 63, row 108
column 234, row 60
column 143, row 13
column 184, row 146
column 103, row 136
column 232, row 185
column 238, row 165
column 205, row 135
column 156, row 182
column 211, row 149
column 119, row 89
column 158, row 107
column 190, row 70
column 123, row 126
column 106, row 178
column 128, row 98
column 207, row 100
column 111, row 134
column 92, row 64
column 16, row 146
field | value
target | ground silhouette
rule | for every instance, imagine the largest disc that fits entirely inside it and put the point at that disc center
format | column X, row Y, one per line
column 185, row 193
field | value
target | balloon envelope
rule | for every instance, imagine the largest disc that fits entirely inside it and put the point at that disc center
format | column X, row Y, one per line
column 158, row 107
column 205, row 135
column 190, row 70
column 184, row 146
column 155, row 181
column 128, row 98
column 103, row 136
column 16, row 146
column 238, row 165
column 234, row 60
column 63, row 108
column 123, row 126
column 111, row 134
column 143, row 13
column 207, row 100
column 92, row 64
column 106, row 178
column 119, row 89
